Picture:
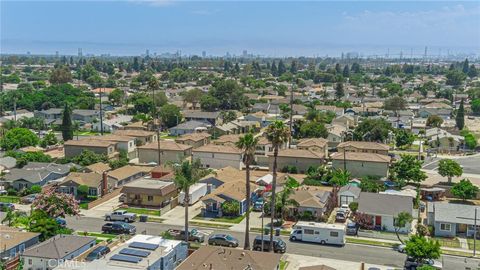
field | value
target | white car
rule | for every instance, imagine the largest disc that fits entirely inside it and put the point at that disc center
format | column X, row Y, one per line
column 401, row 248
column 344, row 209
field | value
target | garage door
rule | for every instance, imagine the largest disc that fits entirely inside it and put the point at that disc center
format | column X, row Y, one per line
column 346, row 199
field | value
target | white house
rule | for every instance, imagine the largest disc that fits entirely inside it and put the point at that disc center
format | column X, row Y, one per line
column 218, row 156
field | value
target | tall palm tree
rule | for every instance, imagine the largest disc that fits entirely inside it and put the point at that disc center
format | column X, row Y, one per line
column 187, row 174
column 248, row 144
column 278, row 134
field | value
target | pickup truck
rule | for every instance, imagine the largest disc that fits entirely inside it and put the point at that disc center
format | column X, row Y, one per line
column 120, row 215
column 193, row 236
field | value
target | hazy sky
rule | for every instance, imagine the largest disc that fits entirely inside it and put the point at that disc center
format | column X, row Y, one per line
column 273, row 28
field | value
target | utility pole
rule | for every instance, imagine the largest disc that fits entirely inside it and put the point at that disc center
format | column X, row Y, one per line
column 101, row 113
column 291, row 116
column 157, row 128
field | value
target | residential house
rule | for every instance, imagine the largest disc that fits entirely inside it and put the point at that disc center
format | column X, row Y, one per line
column 446, row 142
column 348, row 194
column 345, row 120
column 13, row 243
column 48, row 254
column 364, row 147
column 36, row 173
column 85, row 116
column 299, row 158
column 452, row 219
column 314, row 144
column 214, row 118
column 195, row 140
column 189, row 127
column 113, row 123
column 299, row 109
column 218, row 156
column 50, row 115
column 170, row 151
column 126, row 174
column 362, row 164
column 260, row 107
column 326, row 108
column 384, row 208
column 98, row 168
column 226, row 128
column 142, row 137
column 336, row 133
column 232, row 192
column 229, row 139
column 426, row 112
column 92, row 180
column 7, row 163
column 313, row 200
column 122, row 143
column 210, row 257
column 74, row 148
column 148, row 192
column 259, row 117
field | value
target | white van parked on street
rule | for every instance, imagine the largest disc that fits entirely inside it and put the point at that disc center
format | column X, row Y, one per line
column 323, row 233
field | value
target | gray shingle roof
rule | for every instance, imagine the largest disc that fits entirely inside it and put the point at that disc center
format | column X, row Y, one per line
column 58, row 246
column 35, row 172
column 384, row 204
column 454, row 213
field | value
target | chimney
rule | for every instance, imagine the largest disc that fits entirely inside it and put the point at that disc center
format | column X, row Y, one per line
column 104, row 183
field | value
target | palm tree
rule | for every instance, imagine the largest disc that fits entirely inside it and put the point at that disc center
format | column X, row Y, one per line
column 284, row 201
column 278, row 134
column 187, row 174
column 248, row 144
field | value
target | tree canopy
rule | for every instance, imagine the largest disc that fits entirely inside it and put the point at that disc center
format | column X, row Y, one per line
column 16, row 138
column 464, row 190
column 449, row 168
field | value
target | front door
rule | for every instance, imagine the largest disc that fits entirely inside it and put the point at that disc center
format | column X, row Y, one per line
column 378, row 221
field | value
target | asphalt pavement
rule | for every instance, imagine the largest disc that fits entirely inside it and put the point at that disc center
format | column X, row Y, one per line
column 349, row 252
column 470, row 164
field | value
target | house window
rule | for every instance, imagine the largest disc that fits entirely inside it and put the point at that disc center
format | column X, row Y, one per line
column 150, row 198
column 29, row 261
column 334, row 234
column 445, row 227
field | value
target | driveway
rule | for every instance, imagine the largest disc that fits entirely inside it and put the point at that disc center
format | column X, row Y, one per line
column 100, row 210
column 176, row 216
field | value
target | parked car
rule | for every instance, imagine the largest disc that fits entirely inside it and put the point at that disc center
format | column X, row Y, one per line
column 193, row 236
column 121, row 215
column 4, row 207
column 411, row 264
column 278, row 244
column 344, row 209
column 62, row 222
column 340, row 217
column 118, row 228
column 400, row 248
column 28, row 199
column 258, row 204
column 225, row 240
column 352, row 228
column 97, row 253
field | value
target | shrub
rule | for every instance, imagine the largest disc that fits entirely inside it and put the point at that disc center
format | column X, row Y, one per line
column 353, row 206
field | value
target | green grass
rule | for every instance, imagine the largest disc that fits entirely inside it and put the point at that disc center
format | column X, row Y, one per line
column 448, row 242
column 259, row 230
column 470, row 244
column 142, row 211
column 283, row 264
column 9, row 199
column 83, row 205
column 369, row 242
column 209, row 225
column 234, row 220
column 86, row 133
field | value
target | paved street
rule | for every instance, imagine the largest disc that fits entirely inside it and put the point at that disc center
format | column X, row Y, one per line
column 350, row 252
column 470, row 164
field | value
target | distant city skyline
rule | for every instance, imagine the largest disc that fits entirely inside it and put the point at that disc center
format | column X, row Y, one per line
column 214, row 28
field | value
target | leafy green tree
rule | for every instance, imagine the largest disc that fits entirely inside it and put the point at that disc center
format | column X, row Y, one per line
column 340, row 177
column 346, row 71
column 121, row 161
column 281, row 68
column 277, row 134
column 455, row 78
column 400, row 221
column 465, row 66
column 472, row 71
column 16, row 138
column 284, row 202
column 193, row 96
column 170, row 115
column 231, row 208
column 395, row 104
column 47, row 226
column 228, row 116
column 476, row 106
column 421, row 248
column 187, row 174
column 449, row 168
column 375, row 130
column 339, row 90
column 312, row 130
column 35, row 189
column 248, row 144
column 403, row 137
column 371, row 185
column 116, row 96
column 88, row 157
column 60, row 75
column 353, row 206
column 23, row 158
column 464, row 190
column 409, row 170
column 470, row 140
column 67, row 130
column 229, row 95
column 460, row 117
column 82, row 191
column 434, row 121
column 49, row 139
column 209, row 103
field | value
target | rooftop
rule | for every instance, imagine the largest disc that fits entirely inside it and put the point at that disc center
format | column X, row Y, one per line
column 354, row 156
column 12, row 237
column 58, row 246
column 166, row 145
column 149, row 186
column 364, row 145
column 213, row 148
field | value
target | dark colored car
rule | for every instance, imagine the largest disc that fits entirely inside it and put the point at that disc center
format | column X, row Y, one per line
column 97, row 253
column 225, row 240
column 279, row 246
column 411, row 264
column 193, row 236
column 118, row 228
column 4, row 207
column 352, row 228
column 62, row 222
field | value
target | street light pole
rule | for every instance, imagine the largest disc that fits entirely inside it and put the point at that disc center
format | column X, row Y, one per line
column 263, row 214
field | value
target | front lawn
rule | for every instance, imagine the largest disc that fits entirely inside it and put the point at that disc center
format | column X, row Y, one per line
column 100, row 236
column 9, row 199
column 369, row 242
column 234, row 220
column 448, row 242
column 83, row 205
column 142, row 211
column 209, row 225
column 470, row 244
column 283, row 265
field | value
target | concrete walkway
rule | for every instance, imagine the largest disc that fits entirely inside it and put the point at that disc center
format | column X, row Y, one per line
column 100, row 210
column 297, row 261
column 463, row 242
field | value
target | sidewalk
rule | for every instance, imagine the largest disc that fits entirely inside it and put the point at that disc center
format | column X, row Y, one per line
column 297, row 261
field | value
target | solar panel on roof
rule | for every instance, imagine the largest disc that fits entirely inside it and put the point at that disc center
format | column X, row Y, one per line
column 135, row 252
column 124, row 258
column 141, row 245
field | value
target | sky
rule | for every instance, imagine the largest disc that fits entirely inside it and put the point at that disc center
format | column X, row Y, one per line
column 268, row 28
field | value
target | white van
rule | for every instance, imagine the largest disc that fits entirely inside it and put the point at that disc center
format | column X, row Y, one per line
column 323, row 233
